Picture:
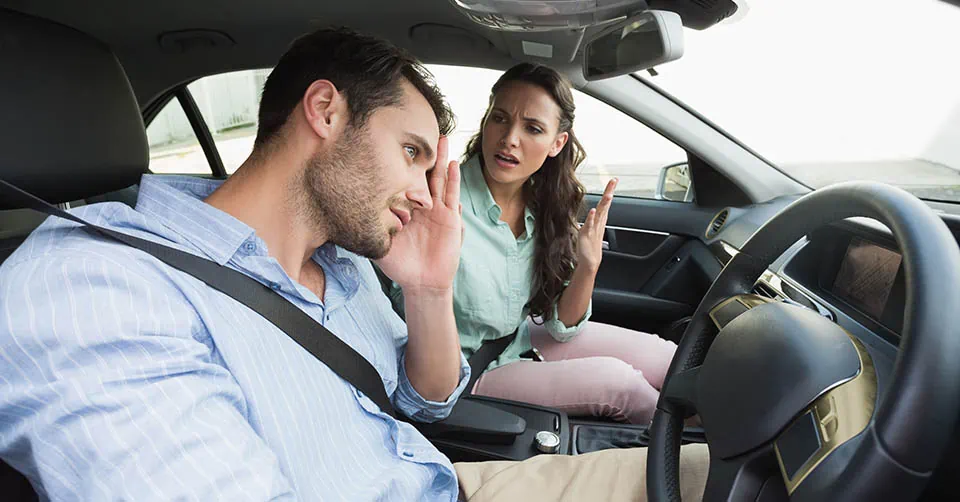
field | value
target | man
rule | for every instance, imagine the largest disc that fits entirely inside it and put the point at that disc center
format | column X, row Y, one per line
column 123, row 378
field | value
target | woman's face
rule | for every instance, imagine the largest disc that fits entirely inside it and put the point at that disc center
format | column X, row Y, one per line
column 520, row 132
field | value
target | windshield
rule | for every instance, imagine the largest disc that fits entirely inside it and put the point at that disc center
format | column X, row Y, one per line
column 851, row 90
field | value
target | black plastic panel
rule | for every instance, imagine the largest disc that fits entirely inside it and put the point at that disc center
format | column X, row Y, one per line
column 679, row 218
column 798, row 443
column 627, row 271
column 476, row 421
column 728, row 312
column 626, row 304
column 537, row 419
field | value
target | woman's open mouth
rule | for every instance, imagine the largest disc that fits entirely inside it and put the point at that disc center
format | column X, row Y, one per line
column 506, row 160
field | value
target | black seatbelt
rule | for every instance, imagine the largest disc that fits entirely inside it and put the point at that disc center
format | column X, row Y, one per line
column 347, row 363
column 486, row 354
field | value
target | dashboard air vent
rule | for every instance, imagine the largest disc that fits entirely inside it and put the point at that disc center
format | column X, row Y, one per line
column 717, row 223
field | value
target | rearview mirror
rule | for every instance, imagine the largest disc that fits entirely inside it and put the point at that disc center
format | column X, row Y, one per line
column 675, row 183
column 643, row 41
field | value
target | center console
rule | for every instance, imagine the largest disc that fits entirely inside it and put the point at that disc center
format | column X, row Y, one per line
column 482, row 428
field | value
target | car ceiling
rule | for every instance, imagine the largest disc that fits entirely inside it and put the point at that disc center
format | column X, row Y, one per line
column 261, row 31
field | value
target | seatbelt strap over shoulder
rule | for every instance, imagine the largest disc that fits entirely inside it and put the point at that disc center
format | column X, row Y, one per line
column 320, row 342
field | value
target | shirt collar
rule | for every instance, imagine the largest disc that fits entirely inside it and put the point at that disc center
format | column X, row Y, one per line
column 481, row 199
column 178, row 203
column 528, row 222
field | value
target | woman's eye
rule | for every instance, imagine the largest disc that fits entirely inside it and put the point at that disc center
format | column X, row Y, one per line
column 411, row 151
column 534, row 130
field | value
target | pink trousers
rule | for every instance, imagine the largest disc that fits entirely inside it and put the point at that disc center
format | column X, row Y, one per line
column 605, row 371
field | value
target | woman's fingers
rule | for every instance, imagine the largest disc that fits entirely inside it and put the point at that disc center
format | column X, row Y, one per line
column 588, row 222
column 603, row 208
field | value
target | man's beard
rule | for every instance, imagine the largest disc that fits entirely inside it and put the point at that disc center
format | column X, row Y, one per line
column 341, row 188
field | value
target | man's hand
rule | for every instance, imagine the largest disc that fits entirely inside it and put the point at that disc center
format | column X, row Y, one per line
column 423, row 260
column 425, row 254
column 590, row 242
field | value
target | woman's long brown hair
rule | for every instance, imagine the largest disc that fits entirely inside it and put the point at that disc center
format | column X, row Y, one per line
column 554, row 194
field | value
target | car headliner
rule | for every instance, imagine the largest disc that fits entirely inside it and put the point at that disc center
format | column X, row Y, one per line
column 432, row 29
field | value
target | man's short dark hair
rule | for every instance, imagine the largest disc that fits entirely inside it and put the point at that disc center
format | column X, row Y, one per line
column 368, row 70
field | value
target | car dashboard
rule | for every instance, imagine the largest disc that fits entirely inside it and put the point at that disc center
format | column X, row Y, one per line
column 850, row 271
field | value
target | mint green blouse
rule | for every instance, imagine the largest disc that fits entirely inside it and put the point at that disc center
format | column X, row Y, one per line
column 495, row 278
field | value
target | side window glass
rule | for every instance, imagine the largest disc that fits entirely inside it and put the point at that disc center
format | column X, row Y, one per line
column 467, row 89
column 619, row 146
column 616, row 144
column 229, row 104
column 174, row 148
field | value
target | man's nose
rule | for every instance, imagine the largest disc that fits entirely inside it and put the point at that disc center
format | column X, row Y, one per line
column 420, row 194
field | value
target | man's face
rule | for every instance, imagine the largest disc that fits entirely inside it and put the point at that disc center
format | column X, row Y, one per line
column 366, row 185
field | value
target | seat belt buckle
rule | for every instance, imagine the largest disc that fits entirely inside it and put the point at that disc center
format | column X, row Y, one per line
column 534, row 354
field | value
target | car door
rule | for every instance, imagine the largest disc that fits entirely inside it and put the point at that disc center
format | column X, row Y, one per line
column 656, row 266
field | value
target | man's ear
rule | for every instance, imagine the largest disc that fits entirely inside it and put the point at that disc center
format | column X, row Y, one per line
column 324, row 108
column 558, row 144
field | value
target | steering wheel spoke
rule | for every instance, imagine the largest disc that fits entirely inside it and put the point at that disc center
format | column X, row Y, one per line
column 744, row 478
column 681, row 390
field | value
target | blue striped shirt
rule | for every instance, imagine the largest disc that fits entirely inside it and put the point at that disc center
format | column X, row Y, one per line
column 122, row 378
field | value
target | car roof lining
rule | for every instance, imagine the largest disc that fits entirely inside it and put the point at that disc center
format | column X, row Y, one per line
column 262, row 31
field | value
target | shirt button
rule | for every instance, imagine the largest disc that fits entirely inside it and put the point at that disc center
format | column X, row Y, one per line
column 408, row 454
column 250, row 246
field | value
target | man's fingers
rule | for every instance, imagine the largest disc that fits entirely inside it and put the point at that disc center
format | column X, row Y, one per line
column 443, row 147
column 436, row 183
column 438, row 177
column 452, row 197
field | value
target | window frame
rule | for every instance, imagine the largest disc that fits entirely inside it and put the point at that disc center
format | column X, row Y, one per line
column 182, row 96
column 207, row 143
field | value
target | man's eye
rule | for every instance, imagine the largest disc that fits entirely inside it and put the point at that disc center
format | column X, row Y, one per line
column 535, row 130
column 411, row 151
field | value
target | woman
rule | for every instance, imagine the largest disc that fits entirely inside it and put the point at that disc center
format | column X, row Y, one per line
column 524, row 256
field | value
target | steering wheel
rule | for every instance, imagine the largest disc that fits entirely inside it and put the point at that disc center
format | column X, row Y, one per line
column 789, row 399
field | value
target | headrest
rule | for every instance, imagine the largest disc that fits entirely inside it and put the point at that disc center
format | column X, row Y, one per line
column 70, row 125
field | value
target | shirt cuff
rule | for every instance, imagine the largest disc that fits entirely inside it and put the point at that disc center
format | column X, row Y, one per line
column 409, row 402
column 561, row 332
